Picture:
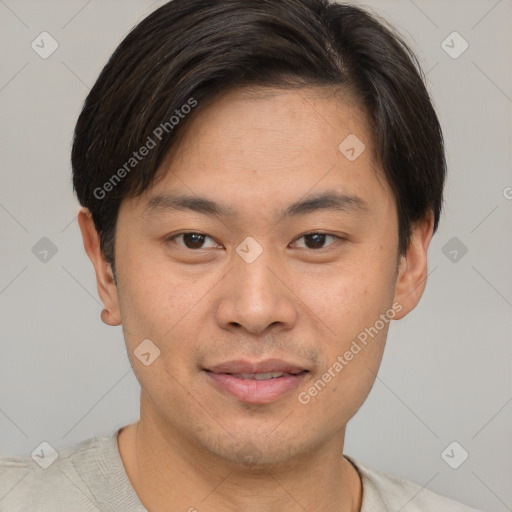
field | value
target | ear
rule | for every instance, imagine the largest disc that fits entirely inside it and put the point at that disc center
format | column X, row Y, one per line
column 107, row 287
column 412, row 268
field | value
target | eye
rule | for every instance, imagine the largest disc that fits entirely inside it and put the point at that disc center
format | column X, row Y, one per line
column 192, row 240
column 316, row 240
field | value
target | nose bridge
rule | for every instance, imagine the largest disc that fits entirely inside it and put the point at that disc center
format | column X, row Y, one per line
column 252, row 259
column 255, row 297
column 253, row 279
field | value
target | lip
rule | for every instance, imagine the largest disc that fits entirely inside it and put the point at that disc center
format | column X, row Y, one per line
column 224, row 378
column 268, row 365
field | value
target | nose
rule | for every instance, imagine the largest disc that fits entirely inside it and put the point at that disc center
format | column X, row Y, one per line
column 256, row 296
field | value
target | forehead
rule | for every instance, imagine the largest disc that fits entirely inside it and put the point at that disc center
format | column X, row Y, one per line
column 254, row 142
column 307, row 117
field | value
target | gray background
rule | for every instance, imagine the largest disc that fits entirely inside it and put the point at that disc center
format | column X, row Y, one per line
column 446, row 374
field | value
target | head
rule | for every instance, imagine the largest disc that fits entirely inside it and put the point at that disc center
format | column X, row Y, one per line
column 301, row 124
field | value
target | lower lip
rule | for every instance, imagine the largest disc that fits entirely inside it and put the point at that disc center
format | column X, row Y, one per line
column 256, row 391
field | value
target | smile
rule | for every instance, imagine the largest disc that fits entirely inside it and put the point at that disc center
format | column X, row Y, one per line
column 256, row 383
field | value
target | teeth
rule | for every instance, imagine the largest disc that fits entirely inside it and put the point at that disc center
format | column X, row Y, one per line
column 258, row 376
column 266, row 376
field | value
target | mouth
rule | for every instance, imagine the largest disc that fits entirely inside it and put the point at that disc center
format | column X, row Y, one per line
column 256, row 383
column 261, row 376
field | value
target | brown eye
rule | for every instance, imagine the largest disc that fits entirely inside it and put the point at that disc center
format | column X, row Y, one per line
column 316, row 240
column 192, row 240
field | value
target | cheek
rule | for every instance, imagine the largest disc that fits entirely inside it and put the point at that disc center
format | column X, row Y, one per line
column 349, row 370
column 159, row 304
column 351, row 296
column 354, row 304
column 155, row 296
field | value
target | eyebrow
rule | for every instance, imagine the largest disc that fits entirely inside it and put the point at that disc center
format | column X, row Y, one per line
column 333, row 201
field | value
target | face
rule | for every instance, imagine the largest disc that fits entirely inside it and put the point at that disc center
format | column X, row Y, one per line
column 264, row 251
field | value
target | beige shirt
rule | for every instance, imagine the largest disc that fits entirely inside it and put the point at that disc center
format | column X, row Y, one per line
column 90, row 477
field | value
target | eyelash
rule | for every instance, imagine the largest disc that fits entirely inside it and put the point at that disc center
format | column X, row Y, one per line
column 174, row 237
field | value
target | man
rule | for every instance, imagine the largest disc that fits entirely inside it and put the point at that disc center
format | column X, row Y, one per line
column 260, row 182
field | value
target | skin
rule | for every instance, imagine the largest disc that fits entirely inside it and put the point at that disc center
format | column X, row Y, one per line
column 256, row 151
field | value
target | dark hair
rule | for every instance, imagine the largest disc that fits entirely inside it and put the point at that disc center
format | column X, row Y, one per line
column 188, row 51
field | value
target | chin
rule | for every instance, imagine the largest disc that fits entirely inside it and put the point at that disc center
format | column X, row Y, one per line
column 256, row 449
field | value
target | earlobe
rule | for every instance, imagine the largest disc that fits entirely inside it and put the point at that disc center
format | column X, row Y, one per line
column 412, row 272
column 108, row 319
column 107, row 288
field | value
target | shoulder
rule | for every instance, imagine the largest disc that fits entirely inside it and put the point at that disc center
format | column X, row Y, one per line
column 385, row 491
column 48, row 480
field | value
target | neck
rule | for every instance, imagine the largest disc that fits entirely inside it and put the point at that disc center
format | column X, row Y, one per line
column 171, row 473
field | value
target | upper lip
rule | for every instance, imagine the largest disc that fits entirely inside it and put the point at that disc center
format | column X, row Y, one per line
column 266, row 366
